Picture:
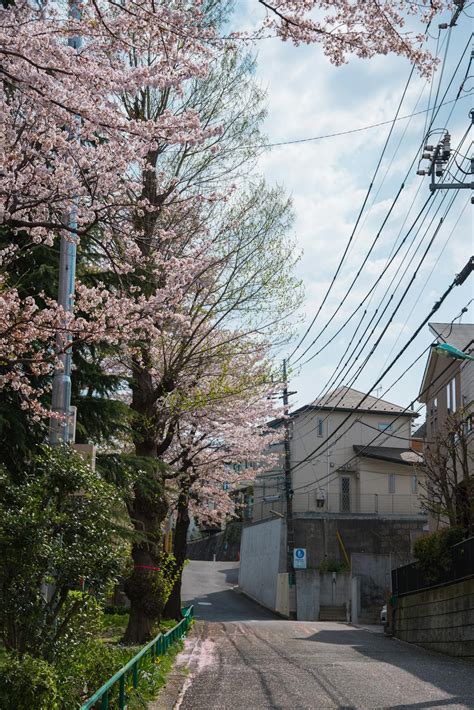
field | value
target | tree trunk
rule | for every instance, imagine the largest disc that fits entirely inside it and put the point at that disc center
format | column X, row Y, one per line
column 173, row 606
column 147, row 511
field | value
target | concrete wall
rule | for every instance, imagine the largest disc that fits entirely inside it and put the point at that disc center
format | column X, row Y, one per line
column 373, row 572
column 262, row 558
column 335, row 589
column 307, row 594
column 379, row 536
column 315, row 590
column 441, row 619
column 225, row 545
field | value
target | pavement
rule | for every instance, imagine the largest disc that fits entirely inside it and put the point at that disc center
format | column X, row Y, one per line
column 240, row 655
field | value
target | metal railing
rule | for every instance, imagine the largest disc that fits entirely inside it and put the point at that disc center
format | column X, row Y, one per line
column 357, row 504
column 413, row 578
column 157, row 647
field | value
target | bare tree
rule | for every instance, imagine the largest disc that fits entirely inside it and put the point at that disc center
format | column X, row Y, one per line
column 448, row 490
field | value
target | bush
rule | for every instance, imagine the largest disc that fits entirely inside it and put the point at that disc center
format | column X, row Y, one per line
column 29, row 683
column 333, row 566
column 57, row 525
column 433, row 552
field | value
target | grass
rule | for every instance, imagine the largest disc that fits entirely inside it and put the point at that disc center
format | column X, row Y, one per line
column 152, row 673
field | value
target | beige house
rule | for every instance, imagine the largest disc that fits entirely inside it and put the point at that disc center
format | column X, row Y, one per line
column 448, row 385
column 447, row 389
column 366, row 468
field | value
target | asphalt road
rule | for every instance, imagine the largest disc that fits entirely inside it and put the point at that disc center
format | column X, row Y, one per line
column 242, row 656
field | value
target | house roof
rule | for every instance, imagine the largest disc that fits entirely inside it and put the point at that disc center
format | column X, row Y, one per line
column 458, row 334
column 349, row 398
column 420, row 433
column 407, row 457
column 461, row 335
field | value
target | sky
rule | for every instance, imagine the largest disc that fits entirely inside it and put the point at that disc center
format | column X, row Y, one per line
column 328, row 179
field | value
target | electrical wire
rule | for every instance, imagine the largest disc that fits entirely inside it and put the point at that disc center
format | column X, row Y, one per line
column 359, row 216
column 434, row 114
column 406, row 410
column 433, row 310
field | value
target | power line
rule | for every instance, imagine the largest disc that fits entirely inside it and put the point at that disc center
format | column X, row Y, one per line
column 457, row 281
column 376, row 237
column 337, row 134
column 334, row 474
column 331, row 381
column 364, row 202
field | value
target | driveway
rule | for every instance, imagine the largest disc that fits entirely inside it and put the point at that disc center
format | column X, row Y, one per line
column 242, row 656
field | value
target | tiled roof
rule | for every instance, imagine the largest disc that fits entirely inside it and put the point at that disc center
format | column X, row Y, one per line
column 458, row 334
column 348, row 398
column 388, row 453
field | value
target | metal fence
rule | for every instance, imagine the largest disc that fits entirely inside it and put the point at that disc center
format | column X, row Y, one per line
column 413, row 578
column 357, row 504
column 155, row 648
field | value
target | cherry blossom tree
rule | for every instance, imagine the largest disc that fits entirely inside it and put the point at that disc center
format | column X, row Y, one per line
column 143, row 129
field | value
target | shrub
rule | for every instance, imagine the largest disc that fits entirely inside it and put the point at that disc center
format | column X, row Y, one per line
column 433, row 552
column 57, row 526
column 28, row 683
column 333, row 566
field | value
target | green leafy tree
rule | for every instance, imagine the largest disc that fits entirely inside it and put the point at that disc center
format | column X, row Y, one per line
column 58, row 533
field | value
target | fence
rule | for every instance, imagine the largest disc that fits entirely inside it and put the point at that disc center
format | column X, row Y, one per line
column 155, row 648
column 357, row 504
column 412, row 578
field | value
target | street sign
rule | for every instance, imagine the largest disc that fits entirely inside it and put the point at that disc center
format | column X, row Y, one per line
column 299, row 558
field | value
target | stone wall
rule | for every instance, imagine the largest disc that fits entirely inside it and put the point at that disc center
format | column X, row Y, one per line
column 440, row 619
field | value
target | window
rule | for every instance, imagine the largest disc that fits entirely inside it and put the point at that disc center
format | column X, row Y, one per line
column 384, row 426
column 391, row 483
column 451, row 396
column 468, row 424
column 320, row 427
column 414, row 484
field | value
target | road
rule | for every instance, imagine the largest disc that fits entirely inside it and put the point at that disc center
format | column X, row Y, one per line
column 242, row 656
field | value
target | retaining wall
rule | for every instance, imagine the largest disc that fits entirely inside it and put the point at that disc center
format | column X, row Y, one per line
column 262, row 558
column 441, row 619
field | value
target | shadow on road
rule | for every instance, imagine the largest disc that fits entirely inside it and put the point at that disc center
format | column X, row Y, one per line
column 231, row 574
column 229, row 606
column 454, row 676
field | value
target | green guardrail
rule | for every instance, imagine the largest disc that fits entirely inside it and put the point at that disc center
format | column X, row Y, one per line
column 154, row 648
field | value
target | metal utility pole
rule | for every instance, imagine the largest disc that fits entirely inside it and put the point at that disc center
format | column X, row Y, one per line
column 439, row 156
column 288, row 486
column 61, row 429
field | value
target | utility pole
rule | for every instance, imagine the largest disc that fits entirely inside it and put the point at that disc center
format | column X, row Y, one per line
column 61, row 430
column 288, row 487
column 438, row 157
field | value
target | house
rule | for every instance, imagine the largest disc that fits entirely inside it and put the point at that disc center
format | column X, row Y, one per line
column 355, row 509
column 448, row 385
column 447, row 390
column 367, row 467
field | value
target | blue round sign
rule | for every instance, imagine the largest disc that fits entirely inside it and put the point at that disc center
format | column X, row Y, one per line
column 299, row 553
